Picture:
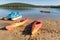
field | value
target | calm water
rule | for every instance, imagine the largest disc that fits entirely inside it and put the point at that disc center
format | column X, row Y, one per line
column 35, row 13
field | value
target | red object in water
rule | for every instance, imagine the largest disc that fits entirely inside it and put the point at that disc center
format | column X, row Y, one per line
column 36, row 26
column 16, row 24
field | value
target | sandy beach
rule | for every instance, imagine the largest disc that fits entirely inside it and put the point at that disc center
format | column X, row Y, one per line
column 50, row 31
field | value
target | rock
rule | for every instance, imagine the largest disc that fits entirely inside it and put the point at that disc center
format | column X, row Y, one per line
column 5, row 18
column 1, row 17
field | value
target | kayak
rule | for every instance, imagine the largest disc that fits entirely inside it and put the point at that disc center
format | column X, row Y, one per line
column 16, row 24
column 36, row 26
column 46, row 11
column 14, row 16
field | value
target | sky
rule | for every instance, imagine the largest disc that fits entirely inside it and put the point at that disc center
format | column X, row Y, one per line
column 35, row 2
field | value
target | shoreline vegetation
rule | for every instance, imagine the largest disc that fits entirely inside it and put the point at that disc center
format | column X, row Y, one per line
column 23, row 6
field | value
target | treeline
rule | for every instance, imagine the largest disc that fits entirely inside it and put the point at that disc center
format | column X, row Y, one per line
column 21, row 5
column 17, row 5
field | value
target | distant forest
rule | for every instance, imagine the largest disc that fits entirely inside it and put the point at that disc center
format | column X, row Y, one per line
column 25, row 6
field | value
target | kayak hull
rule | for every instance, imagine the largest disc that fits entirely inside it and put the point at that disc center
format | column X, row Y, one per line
column 16, row 24
column 16, row 18
column 36, row 26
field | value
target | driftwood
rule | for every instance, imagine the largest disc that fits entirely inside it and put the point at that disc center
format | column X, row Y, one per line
column 3, row 18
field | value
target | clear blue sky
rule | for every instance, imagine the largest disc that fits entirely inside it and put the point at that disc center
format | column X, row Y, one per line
column 35, row 2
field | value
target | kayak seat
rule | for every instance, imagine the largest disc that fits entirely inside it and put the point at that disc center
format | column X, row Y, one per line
column 9, row 18
column 21, row 20
column 38, row 23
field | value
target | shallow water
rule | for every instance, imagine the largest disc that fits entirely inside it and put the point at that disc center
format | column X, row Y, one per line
column 34, row 13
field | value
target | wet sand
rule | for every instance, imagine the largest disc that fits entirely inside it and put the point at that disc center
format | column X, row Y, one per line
column 50, row 31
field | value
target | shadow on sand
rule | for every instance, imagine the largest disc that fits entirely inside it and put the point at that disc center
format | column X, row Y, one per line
column 28, row 29
column 3, row 27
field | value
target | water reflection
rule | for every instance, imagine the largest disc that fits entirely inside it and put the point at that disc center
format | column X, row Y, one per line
column 34, row 13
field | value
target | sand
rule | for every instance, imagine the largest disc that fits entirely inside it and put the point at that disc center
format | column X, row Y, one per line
column 50, row 31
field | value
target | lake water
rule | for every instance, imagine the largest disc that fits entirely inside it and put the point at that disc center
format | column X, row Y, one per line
column 34, row 13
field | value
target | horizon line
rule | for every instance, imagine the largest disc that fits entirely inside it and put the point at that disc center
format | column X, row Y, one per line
column 32, row 4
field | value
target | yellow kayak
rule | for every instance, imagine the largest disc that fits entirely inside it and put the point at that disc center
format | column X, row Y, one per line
column 16, row 24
